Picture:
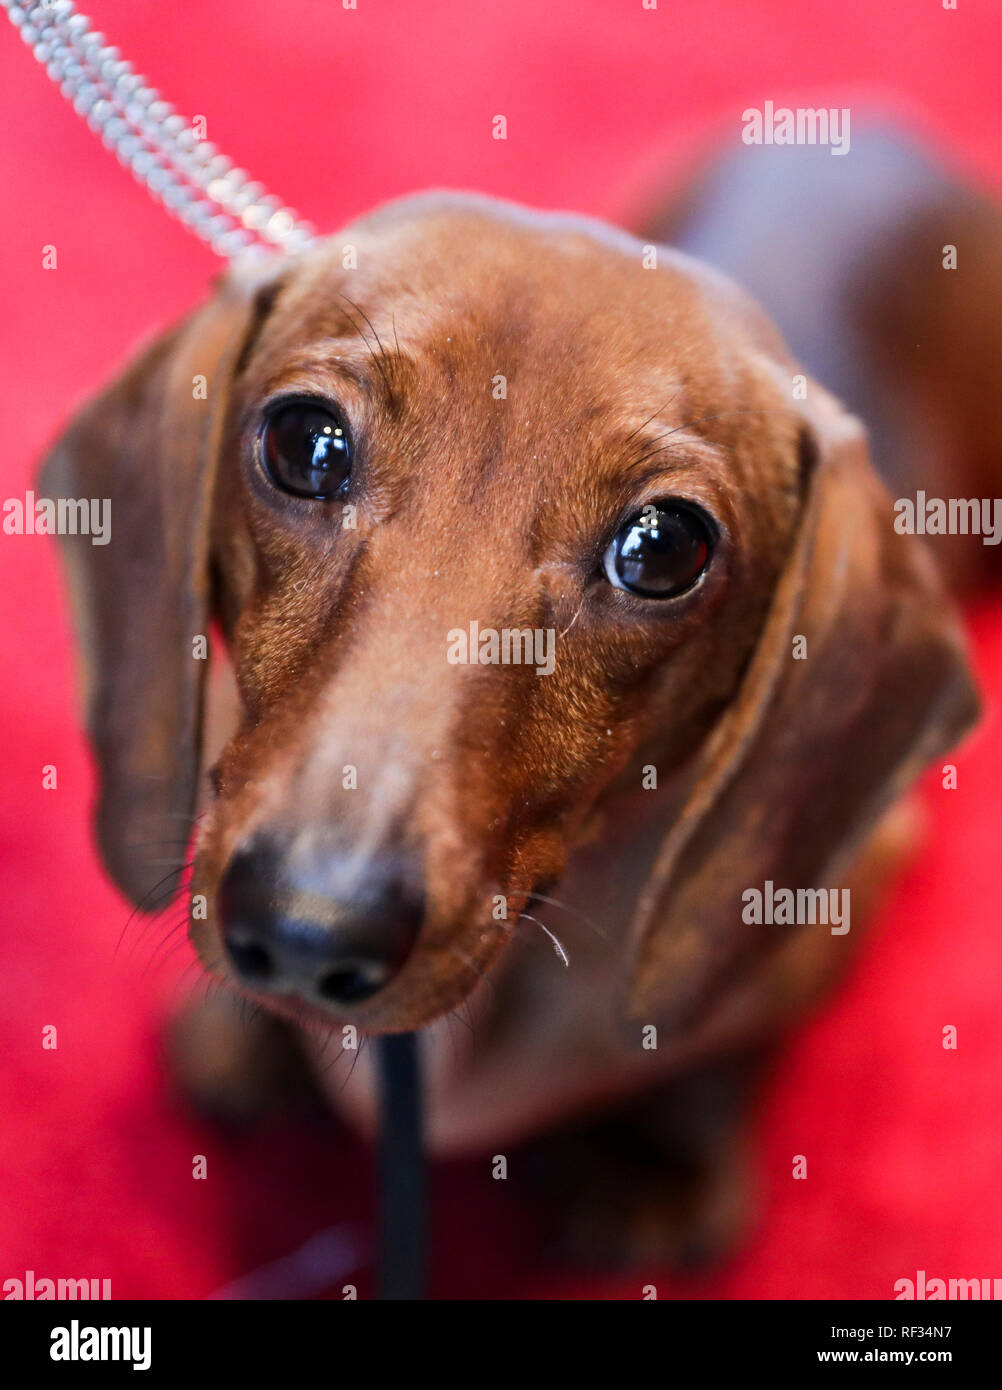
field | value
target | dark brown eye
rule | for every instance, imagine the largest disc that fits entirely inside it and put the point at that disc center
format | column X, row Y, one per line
column 306, row 450
column 661, row 551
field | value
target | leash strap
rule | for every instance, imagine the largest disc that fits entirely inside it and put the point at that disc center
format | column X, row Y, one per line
column 402, row 1172
column 186, row 174
column 225, row 209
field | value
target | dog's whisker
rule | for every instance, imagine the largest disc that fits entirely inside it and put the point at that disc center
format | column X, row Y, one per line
column 378, row 358
column 660, row 411
column 191, row 982
column 328, row 1065
column 396, row 340
column 701, row 420
column 167, row 957
column 577, row 614
column 175, row 934
column 323, row 1035
column 150, row 931
column 558, row 948
column 468, row 1006
column 358, row 1052
column 140, row 910
column 566, row 907
column 171, row 896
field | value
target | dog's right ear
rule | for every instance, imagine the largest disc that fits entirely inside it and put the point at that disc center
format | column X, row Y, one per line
column 145, row 450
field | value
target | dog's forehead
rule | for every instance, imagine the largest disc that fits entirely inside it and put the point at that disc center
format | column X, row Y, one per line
column 534, row 337
column 436, row 269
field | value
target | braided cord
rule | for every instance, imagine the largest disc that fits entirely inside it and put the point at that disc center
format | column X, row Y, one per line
column 187, row 175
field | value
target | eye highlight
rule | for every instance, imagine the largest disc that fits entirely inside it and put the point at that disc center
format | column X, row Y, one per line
column 660, row 552
column 306, row 450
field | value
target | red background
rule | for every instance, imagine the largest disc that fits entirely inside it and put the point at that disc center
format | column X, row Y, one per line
column 334, row 111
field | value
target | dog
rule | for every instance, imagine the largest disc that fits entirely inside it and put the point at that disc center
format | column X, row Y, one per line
column 393, row 488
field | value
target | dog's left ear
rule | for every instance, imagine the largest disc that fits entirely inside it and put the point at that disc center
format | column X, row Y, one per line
column 146, row 449
column 858, row 680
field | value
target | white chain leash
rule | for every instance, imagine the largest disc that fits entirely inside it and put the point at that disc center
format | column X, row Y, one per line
column 193, row 181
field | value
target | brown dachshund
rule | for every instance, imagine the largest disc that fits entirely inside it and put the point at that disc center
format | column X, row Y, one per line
column 565, row 616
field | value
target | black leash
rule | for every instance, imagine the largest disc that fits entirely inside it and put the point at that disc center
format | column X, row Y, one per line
column 403, row 1217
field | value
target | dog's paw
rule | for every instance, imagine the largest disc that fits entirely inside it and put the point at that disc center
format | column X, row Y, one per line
column 685, row 1221
column 236, row 1064
column 665, row 1180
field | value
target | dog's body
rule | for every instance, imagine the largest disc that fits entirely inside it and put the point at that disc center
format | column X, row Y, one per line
column 517, row 388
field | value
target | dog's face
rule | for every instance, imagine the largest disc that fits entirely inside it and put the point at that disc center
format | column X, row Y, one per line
column 498, row 518
column 468, row 428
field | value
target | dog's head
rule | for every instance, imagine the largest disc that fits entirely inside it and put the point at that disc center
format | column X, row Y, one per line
column 507, row 523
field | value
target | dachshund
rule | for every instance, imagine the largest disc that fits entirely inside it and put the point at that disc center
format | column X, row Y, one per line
column 387, row 477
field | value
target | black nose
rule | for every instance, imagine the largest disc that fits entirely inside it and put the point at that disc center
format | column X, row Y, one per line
column 293, row 927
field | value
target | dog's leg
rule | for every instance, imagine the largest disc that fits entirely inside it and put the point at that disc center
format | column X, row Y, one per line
column 238, row 1064
column 664, row 1180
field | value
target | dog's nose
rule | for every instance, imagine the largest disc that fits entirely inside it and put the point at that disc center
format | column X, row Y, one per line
column 287, row 930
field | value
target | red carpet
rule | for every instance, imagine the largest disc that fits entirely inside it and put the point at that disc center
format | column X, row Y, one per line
column 336, row 110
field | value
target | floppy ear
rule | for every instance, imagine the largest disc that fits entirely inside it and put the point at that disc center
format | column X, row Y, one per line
column 149, row 444
column 821, row 737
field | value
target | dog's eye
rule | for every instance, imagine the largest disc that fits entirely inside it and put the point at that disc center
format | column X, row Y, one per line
column 660, row 552
column 306, row 450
